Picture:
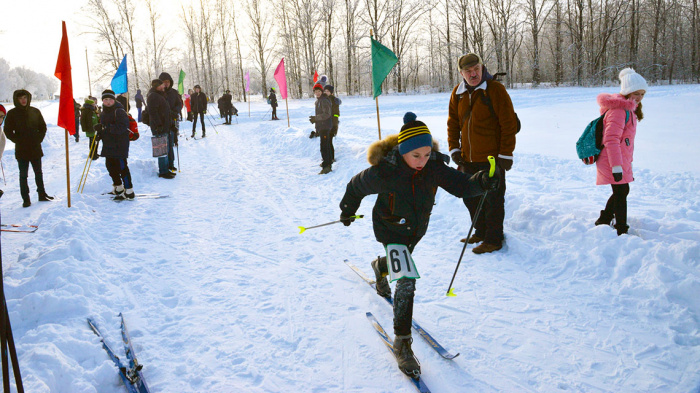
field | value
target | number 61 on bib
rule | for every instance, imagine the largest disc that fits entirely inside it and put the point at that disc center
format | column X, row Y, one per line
column 400, row 262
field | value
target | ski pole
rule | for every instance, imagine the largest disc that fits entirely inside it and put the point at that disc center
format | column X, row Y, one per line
column 3, row 171
column 177, row 148
column 450, row 290
column 212, row 124
column 84, row 168
column 303, row 229
column 88, row 163
column 265, row 115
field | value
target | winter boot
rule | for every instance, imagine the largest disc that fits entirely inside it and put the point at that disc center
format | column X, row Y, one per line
column 119, row 190
column 26, row 203
column 382, row 284
column 192, row 134
column 325, row 169
column 408, row 363
column 129, row 193
column 605, row 218
column 114, row 191
column 621, row 229
column 204, row 133
column 487, row 247
column 473, row 239
column 44, row 197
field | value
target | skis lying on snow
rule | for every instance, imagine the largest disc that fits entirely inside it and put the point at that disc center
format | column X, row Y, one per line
column 418, row 382
column 19, row 228
column 131, row 375
column 142, row 196
column 423, row 333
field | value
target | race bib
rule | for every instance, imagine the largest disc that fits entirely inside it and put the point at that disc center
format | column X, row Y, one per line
column 400, row 262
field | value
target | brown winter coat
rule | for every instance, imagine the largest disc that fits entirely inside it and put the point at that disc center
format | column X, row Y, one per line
column 472, row 129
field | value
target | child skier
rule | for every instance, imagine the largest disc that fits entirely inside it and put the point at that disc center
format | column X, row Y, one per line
column 113, row 130
column 614, row 164
column 405, row 171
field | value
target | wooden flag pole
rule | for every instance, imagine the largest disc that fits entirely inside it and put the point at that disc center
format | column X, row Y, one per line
column 287, row 105
column 376, row 99
column 67, row 169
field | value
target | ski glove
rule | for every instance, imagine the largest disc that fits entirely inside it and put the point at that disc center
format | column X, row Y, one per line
column 312, row 119
column 617, row 173
column 488, row 183
column 505, row 163
column 457, row 158
column 97, row 128
column 346, row 220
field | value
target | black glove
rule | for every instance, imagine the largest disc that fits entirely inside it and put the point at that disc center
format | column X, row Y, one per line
column 617, row 173
column 97, row 128
column 617, row 176
column 346, row 219
column 312, row 119
column 457, row 158
column 488, row 183
column 505, row 163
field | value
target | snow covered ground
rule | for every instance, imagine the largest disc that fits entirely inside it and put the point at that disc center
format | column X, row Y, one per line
column 221, row 293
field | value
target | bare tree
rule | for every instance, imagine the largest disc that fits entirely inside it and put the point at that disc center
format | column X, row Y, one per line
column 536, row 12
column 351, row 42
column 261, row 32
column 403, row 18
column 126, row 10
column 158, row 42
column 106, row 30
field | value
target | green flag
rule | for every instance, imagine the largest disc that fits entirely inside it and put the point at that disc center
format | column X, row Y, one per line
column 383, row 60
column 181, row 83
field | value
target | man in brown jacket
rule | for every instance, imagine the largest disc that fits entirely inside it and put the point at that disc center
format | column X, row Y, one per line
column 476, row 130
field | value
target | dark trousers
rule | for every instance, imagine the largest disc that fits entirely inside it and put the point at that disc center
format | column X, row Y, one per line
column 227, row 116
column 327, row 150
column 617, row 203
column 138, row 108
column 274, row 112
column 489, row 224
column 194, row 123
column 119, row 171
column 24, row 174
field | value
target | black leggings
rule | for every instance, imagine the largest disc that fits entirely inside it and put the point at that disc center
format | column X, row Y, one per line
column 194, row 123
column 617, row 203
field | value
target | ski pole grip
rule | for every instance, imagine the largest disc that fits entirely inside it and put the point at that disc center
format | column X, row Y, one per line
column 492, row 162
column 358, row 216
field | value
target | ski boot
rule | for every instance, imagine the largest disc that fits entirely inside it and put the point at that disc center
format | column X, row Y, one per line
column 408, row 364
column 382, row 284
column 119, row 192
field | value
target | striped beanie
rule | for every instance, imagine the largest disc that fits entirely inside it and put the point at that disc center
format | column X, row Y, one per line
column 414, row 134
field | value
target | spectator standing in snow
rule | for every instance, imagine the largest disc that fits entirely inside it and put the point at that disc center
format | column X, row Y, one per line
column 188, row 106
column 175, row 103
column 160, row 121
column 139, row 103
column 323, row 119
column 473, row 134
column 272, row 100
column 406, row 170
column 227, row 101
column 3, row 140
column 199, row 107
column 25, row 127
column 614, row 164
column 113, row 131
column 88, row 120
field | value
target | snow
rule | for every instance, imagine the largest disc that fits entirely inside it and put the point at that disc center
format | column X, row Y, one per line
column 221, row 293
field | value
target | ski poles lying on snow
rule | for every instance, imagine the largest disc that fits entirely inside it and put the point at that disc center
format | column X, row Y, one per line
column 303, row 229
column 450, row 290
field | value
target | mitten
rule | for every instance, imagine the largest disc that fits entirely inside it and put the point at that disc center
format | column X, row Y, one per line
column 488, row 183
column 312, row 119
column 617, row 173
column 97, row 128
column 457, row 158
column 505, row 163
column 346, row 219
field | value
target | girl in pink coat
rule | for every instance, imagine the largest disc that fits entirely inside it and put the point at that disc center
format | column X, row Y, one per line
column 614, row 165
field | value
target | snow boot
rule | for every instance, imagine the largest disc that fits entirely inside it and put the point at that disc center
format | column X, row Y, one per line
column 26, row 203
column 605, row 218
column 119, row 190
column 621, row 229
column 487, row 247
column 192, row 134
column 408, row 363
column 44, row 197
column 382, row 284
column 473, row 239
column 129, row 193
column 325, row 170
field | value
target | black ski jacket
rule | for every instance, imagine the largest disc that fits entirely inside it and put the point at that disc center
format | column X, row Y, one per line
column 160, row 120
column 26, row 128
column 115, row 131
column 198, row 102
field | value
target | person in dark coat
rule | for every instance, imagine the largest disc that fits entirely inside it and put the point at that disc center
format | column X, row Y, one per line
column 88, row 120
column 76, row 109
column 198, row 101
column 175, row 101
column 113, row 131
column 273, row 103
column 121, row 98
column 335, row 110
column 160, row 121
column 139, row 103
column 406, row 170
column 324, row 123
column 227, row 104
column 25, row 127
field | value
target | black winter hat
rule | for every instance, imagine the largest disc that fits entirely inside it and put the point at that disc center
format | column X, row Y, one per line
column 156, row 82
column 329, row 88
column 108, row 94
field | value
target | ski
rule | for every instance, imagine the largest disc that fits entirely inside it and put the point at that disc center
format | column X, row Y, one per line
column 122, row 369
column 423, row 333
column 417, row 382
column 142, row 196
column 19, row 228
column 134, row 372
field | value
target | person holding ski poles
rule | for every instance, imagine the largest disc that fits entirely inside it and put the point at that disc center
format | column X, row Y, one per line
column 405, row 171
column 198, row 102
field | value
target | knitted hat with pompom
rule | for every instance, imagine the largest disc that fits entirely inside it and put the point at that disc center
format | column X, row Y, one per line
column 414, row 134
column 630, row 82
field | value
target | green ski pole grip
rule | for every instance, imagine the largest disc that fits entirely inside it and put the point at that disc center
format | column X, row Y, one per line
column 492, row 161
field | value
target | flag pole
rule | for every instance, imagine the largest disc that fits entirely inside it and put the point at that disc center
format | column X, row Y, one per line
column 67, row 169
column 287, row 105
column 376, row 99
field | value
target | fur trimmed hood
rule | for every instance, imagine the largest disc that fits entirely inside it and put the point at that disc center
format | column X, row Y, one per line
column 380, row 149
column 615, row 101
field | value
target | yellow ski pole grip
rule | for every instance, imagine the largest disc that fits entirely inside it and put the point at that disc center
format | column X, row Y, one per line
column 492, row 161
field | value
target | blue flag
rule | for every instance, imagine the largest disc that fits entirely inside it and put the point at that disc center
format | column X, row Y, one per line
column 120, row 84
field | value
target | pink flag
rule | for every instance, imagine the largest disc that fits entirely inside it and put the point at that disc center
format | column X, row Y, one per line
column 281, row 79
column 247, row 79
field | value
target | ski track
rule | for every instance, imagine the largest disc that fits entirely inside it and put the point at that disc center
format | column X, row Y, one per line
column 221, row 293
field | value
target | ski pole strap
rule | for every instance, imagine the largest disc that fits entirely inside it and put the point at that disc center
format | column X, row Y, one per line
column 492, row 162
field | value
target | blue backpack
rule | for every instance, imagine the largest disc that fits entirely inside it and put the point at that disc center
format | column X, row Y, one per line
column 590, row 144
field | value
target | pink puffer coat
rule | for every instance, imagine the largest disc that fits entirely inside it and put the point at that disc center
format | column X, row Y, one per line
column 618, row 138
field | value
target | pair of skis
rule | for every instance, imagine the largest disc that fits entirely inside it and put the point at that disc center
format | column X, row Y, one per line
column 130, row 372
column 138, row 196
column 19, row 228
column 444, row 353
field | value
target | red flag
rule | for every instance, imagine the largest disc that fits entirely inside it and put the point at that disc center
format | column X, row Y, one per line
column 66, row 111
column 315, row 76
column 281, row 79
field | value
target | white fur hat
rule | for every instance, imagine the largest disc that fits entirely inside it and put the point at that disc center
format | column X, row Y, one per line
column 630, row 82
